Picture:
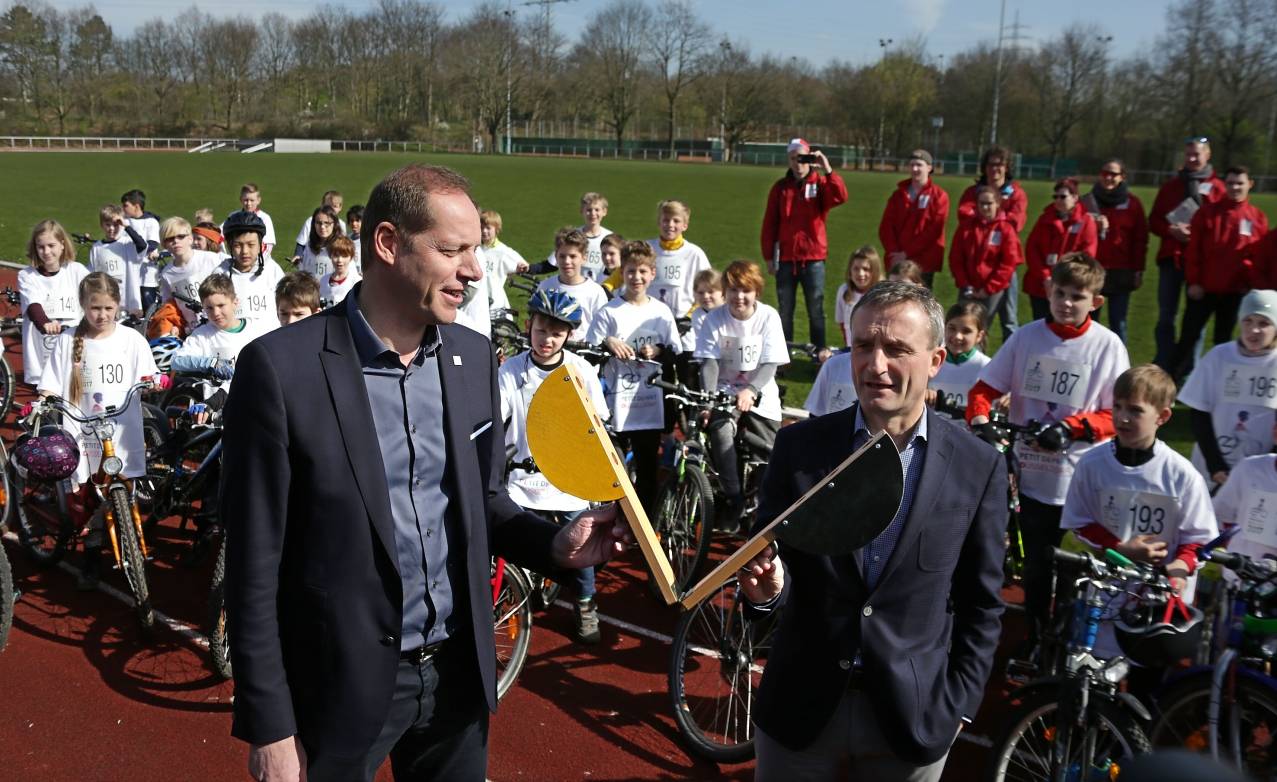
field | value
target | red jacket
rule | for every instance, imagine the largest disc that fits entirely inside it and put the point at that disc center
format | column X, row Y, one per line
column 1169, row 196
column 1262, row 270
column 1224, row 238
column 795, row 216
column 1125, row 244
column 1051, row 238
column 1014, row 206
column 916, row 227
column 985, row 254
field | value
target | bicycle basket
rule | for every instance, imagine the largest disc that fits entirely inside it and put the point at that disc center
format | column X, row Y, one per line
column 1159, row 632
column 51, row 456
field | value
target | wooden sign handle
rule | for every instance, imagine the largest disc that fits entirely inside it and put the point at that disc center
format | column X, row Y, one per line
column 756, row 544
column 649, row 543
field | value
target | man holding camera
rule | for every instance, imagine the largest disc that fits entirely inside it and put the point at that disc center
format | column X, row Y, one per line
column 793, row 237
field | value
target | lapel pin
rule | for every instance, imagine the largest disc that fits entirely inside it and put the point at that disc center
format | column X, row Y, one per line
column 456, row 361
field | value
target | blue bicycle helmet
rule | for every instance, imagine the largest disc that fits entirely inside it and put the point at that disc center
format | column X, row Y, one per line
column 162, row 350
column 557, row 305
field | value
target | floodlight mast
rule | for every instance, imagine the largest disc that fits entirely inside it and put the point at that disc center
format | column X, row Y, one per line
column 545, row 22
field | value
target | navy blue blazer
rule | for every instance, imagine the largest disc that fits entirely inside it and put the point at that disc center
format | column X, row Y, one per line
column 313, row 593
column 927, row 633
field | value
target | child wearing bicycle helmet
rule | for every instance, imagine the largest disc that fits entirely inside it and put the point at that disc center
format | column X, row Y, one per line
column 640, row 334
column 1233, row 392
column 254, row 275
column 93, row 369
column 49, row 295
column 552, row 315
column 740, row 347
column 1137, row 495
column 1059, row 373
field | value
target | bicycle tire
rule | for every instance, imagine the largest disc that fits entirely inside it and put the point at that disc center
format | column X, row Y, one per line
column 512, row 626
column 7, row 386
column 6, row 486
column 131, row 560
column 1033, row 752
column 716, row 664
column 1182, row 721
column 44, row 531
column 684, row 523
column 7, row 597
column 219, row 645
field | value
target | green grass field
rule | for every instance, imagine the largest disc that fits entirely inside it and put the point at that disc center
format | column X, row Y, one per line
column 534, row 195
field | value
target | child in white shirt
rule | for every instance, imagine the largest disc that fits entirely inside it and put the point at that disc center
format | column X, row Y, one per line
column 316, row 258
column 254, row 275
column 593, row 210
column 500, row 259
column 337, row 283
column 864, row 270
column 148, row 226
column 250, row 199
column 833, row 389
column 1248, row 499
column 216, row 345
column 49, row 295
column 639, row 332
column 180, row 281
column 678, row 261
column 569, row 255
column 1233, row 392
column 965, row 328
column 120, row 253
column 740, row 347
column 708, row 287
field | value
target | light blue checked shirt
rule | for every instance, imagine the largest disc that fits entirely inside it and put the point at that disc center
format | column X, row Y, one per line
column 911, row 460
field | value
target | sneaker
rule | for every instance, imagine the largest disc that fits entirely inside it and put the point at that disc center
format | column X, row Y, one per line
column 587, row 622
column 727, row 519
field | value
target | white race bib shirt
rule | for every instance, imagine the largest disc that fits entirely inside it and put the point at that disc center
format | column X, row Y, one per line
column 335, row 291
column 1249, row 499
column 59, row 296
column 1237, row 392
column 184, row 281
column 634, row 404
column 592, row 267
column 518, row 379
column 589, row 294
column 740, row 346
column 1050, row 379
column 956, row 380
column 499, row 262
column 833, row 389
column 256, row 294
column 676, row 272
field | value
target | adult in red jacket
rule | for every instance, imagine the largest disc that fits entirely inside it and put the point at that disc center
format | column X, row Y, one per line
column 986, row 251
column 1262, row 270
column 1224, row 238
column 793, row 237
column 913, row 224
column 1063, row 227
column 1170, row 218
column 1123, row 240
column 995, row 165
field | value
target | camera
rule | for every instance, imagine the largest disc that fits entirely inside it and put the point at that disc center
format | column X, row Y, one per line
column 810, row 157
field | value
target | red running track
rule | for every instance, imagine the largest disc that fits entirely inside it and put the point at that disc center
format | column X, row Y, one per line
column 85, row 697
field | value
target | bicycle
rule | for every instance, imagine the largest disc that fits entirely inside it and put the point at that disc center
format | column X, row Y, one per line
column 8, row 594
column 122, row 517
column 1232, row 704
column 716, row 664
column 511, row 620
column 1076, row 724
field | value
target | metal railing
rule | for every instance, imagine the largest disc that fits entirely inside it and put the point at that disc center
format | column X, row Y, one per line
column 91, row 143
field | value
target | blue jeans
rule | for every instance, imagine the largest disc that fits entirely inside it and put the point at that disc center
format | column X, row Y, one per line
column 583, row 579
column 1118, row 305
column 812, row 276
column 1170, row 286
column 1006, row 307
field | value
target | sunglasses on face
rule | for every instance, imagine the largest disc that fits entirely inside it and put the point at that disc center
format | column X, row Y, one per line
column 177, row 237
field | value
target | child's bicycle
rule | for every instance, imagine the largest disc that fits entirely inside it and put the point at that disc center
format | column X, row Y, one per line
column 1078, row 725
column 50, row 540
column 8, row 594
column 511, row 621
column 1229, row 708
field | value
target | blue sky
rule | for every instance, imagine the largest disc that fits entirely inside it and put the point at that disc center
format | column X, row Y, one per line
column 818, row 30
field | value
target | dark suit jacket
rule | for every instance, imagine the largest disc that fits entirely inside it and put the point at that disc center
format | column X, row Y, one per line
column 313, row 593
column 927, row 632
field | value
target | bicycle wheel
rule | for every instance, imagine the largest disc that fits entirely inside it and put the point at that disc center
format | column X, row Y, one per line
column 512, row 626
column 716, row 664
column 1024, row 750
column 7, row 597
column 43, row 525
column 131, row 560
column 1183, row 721
column 684, row 520
column 219, row 642
column 7, row 386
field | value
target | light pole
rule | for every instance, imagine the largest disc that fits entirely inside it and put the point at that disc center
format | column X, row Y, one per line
column 883, row 43
column 509, row 68
column 725, row 47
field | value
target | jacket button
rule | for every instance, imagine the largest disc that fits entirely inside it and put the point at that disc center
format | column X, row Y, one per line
column 845, row 664
column 867, row 610
column 388, row 640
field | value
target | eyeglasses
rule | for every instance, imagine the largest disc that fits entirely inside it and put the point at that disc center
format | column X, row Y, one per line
column 177, row 237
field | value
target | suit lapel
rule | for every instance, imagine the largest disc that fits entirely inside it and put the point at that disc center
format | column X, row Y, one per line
column 935, row 471
column 353, row 412
column 452, row 379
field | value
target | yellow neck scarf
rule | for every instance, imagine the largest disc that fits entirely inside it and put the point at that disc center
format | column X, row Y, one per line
column 672, row 246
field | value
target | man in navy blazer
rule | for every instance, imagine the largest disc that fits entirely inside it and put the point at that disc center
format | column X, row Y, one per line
column 881, row 656
column 363, row 495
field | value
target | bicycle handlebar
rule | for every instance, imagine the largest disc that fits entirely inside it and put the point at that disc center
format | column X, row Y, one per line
column 73, row 412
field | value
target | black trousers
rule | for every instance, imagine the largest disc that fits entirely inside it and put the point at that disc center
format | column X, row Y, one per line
column 437, row 727
column 1196, row 312
column 1040, row 529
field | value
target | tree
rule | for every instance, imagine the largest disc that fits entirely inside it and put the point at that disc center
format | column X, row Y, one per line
column 22, row 48
column 486, row 48
column 91, row 49
column 1244, row 68
column 617, row 35
column 1068, row 74
column 678, row 42
column 275, row 58
column 742, row 92
column 227, row 53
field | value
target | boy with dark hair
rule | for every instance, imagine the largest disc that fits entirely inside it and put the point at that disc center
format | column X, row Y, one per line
column 296, row 297
column 569, row 253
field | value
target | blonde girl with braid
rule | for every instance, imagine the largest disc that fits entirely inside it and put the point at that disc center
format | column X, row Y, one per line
column 93, row 368
column 49, row 295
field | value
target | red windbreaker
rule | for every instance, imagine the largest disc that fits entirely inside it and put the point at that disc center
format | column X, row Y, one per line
column 1225, row 235
column 1051, row 238
column 1262, row 269
column 795, row 216
column 1169, row 196
column 915, row 227
column 1014, row 206
column 1125, row 244
column 985, row 254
